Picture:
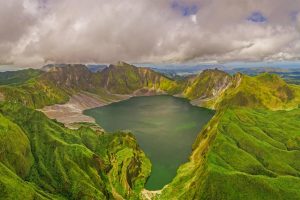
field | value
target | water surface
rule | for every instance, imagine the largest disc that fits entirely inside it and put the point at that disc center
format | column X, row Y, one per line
column 165, row 128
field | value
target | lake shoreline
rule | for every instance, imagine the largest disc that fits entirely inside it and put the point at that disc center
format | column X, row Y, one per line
column 73, row 111
column 165, row 127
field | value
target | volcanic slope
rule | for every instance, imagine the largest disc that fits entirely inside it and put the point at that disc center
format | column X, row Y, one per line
column 41, row 159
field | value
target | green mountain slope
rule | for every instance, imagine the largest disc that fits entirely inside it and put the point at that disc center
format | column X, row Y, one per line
column 39, row 157
column 34, row 93
column 262, row 91
column 267, row 91
column 208, row 84
column 58, row 83
column 70, row 77
column 18, row 77
column 123, row 78
column 243, row 154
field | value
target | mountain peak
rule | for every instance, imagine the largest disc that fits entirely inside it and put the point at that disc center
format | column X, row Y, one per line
column 57, row 67
column 121, row 63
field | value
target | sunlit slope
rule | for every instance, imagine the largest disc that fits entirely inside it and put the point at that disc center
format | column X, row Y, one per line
column 42, row 159
column 207, row 85
column 243, row 154
column 58, row 83
column 123, row 78
column 34, row 93
column 266, row 91
column 18, row 77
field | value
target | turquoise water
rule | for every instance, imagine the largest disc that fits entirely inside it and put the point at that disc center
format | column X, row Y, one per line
column 165, row 128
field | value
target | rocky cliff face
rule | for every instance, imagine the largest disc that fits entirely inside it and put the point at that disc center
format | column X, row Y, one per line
column 120, row 78
column 208, row 84
column 123, row 78
column 75, row 76
column 262, row 91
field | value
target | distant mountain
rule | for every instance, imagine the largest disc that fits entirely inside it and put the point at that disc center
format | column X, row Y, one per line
column 290, row 75
column 96, row 68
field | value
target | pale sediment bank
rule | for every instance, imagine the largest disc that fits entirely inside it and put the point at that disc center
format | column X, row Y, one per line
column 149, row 195
column 72, row 111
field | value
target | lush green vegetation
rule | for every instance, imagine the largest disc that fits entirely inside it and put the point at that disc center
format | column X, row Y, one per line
column 207, row 84
column 243, row 154
column 18, row 77
column 35, row 93
column 249, row 150
column 263, row 91
column 42, row 159
column 123, row 78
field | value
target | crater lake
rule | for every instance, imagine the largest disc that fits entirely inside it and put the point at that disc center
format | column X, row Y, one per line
column 165, row 127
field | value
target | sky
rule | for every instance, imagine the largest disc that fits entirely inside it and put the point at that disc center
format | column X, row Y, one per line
column 37, row 32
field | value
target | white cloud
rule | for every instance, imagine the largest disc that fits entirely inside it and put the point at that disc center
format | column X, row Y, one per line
column 39, row 31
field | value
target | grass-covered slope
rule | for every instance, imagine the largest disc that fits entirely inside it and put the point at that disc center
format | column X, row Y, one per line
column 58, row 83
column 75, row 77
column 243, row 154
column 120, row 78
column 266, row 91
column 123, row 78
column 34, row 93
column 18, row 77
column 208, row 84
column 247, row 151
column 40, row 159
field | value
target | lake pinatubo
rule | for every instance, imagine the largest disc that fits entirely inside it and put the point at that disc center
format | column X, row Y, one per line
column 165, row 128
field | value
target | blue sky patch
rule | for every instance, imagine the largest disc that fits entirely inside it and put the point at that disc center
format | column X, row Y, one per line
column 294, row 15
column 184, row 9
column 257, row 17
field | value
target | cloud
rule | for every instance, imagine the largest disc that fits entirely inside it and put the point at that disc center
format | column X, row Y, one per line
column 34, row 32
